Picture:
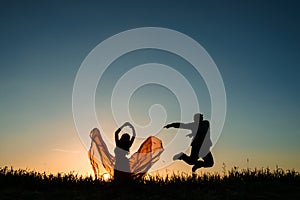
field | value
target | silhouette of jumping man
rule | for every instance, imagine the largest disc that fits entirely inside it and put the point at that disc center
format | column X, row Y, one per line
column 200, row 145
column 122, row 169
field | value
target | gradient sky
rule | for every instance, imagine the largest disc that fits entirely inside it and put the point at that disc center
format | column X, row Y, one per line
column 255, row 44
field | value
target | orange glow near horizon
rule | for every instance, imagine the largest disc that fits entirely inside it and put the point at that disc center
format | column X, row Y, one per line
column 60, row 150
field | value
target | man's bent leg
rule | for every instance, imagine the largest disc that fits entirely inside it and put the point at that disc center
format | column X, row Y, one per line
column 188, row 159
column 192, row 159
column 208, row 161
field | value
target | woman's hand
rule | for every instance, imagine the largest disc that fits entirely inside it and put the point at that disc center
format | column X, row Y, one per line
column 127, row 124
column 131, row 126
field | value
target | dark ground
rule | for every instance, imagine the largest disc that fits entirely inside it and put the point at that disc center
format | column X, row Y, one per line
column 247, row 191
column 254, row 184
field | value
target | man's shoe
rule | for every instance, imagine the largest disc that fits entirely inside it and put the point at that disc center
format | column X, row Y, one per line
column 195, row 167
column 178, row 156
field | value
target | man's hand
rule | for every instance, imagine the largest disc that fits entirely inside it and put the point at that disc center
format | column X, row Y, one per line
column 168, row 126
column 190, row 135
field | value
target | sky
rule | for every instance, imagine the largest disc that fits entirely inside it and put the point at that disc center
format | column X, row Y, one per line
column 255, row 45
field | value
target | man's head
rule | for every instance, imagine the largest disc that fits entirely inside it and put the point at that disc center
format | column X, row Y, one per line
column 198, row 117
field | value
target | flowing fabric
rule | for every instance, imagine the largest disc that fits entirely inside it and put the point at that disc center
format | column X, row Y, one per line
column 139, row 163
column 99, row 153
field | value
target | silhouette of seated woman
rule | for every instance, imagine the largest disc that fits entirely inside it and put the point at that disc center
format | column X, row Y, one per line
column 201, row 143
column 119, row 166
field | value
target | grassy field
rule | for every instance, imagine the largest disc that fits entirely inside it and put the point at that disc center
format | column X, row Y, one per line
column 233, row 184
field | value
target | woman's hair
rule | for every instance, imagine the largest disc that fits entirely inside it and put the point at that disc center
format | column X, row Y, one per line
column 125, row 137
column 125, row 142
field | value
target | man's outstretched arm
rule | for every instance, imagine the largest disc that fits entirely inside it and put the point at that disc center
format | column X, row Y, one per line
column 179, row 125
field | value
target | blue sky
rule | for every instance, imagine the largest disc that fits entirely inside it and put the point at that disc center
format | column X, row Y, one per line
column 255, row 45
